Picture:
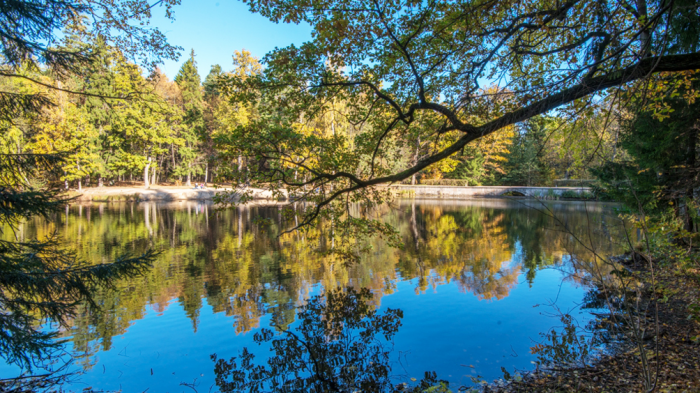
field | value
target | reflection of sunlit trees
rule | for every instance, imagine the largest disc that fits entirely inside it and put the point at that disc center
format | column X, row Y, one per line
column 250, row 268
column 480, row 279
column 486, row 248
column 234, row 286
column 490, row 271
column 469, row 246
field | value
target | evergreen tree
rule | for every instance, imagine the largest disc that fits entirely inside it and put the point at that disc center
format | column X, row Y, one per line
column 527, row 164
column 193, row 131
column 662, row 142
column 211, row 87
column 471, row 169
column 98, row 81
column 39, row 279
column 213, row 99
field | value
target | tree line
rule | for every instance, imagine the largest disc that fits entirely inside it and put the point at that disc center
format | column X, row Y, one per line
column 114, row 123
column 117, row 123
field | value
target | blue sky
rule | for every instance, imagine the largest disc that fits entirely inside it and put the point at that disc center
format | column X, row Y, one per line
column 215, row 28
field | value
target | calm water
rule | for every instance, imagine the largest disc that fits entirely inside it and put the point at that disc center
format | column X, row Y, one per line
column 475, row 280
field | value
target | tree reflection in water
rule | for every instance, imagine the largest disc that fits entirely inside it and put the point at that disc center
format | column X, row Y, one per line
column 336, row 347
column 247, row 270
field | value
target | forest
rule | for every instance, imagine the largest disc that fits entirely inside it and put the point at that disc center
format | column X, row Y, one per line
column 119, row 123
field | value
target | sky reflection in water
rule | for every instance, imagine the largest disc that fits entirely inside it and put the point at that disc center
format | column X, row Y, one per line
column 474, row 281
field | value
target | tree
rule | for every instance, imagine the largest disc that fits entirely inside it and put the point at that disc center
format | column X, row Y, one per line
column 231, row 113
column 67, row 129
column 193, row 130
column 211, row 82
column 168, row 99
column 39, row 279
column 397, row 64
column 34, row 43
column 483, row 161
column 146, row 128
column 143, row 129
column 527, row 164
column 212, row 101
column 660, row 135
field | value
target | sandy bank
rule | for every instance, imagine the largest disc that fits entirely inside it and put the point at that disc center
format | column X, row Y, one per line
column 174, row 193
column 160, row 193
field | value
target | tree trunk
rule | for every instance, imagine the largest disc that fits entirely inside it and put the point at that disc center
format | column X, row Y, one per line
column 100, row 181
column 145, row 173
column 189, row 178
column 415, row 160
column 645, row 35
column 160, row 166
column 153, row 175
column 689, row 192
column 80, row 185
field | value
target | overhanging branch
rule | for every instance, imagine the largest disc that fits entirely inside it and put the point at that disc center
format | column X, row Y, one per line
column 639, row 70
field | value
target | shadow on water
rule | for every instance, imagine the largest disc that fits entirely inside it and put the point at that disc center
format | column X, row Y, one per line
column 466, row 280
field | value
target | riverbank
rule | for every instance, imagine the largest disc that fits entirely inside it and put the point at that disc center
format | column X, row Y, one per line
column 161, row 193
column 676, row 368
column 179, row 193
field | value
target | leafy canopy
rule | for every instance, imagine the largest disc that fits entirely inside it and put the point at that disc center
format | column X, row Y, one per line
column 400, row 73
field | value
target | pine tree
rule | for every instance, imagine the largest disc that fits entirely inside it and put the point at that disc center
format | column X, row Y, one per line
column 527, row 165
column 213, row 99
column 193, row 131
column 662, row 142
column 211, row 87
column 39, row 279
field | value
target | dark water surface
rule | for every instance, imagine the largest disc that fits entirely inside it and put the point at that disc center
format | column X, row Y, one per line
column 475, row 280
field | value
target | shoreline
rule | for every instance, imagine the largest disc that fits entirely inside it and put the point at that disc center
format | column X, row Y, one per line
column 179, row 193
column 161, row 193
column 677, row 366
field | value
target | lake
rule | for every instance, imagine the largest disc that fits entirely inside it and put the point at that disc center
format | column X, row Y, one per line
column 476, row 280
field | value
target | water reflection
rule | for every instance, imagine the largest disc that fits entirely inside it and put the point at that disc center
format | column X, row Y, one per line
column 476, row 242
column 236, row 264
column 337, row 347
